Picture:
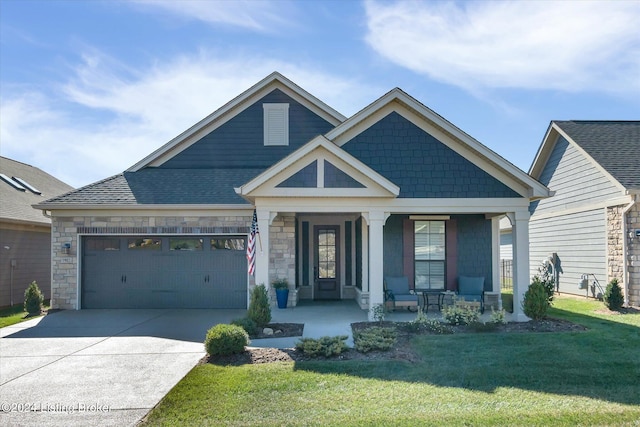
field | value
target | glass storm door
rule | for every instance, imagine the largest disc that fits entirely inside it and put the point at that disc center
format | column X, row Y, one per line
column 327, row 267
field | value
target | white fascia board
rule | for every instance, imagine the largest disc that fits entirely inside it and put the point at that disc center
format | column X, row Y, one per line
column 445, row 132
column 394, row 206
column 589, row 158
column 223, row 114
column 544, row 150
column 345, row 158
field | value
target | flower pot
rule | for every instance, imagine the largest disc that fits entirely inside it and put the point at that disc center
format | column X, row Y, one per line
column 282, row 295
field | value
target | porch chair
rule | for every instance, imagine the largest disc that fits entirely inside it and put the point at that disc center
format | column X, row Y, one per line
column 471, row 289
column 398, row 294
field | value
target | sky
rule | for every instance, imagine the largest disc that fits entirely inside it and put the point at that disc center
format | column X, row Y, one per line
column 89, row 88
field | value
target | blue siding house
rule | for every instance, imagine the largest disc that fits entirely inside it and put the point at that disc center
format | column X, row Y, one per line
column 341, row 203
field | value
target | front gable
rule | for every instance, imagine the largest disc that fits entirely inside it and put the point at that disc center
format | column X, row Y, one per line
column 319, row 169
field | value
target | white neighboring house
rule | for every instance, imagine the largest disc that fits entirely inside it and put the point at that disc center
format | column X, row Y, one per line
column 592, row 222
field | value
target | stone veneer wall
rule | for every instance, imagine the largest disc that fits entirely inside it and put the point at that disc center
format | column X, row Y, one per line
column 282, row 253
column 64, row 268
column 633, row 255
column 614, row 245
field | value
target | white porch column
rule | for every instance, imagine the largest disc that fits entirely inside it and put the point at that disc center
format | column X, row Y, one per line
column 262, row 248
column 365, row 256
column 520, row 230
column 495, row 253
column 376, row 251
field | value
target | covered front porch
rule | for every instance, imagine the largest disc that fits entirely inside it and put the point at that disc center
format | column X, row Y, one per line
column 333, row 256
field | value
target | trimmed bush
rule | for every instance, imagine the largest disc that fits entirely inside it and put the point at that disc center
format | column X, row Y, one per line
column 33, row 299
column 322, row 347
column 613, row 298
column 225, row 339
column 247, row 324
column 423, row 323
column 374, row 338
column 460, row 314
column 536, row 301
column 498, row 317
column 259, row 309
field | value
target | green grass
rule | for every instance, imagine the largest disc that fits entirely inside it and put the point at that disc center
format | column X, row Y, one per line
column 14, row 314
column 530, row 379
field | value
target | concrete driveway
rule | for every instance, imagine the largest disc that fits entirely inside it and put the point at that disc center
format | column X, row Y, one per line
column 98, row 367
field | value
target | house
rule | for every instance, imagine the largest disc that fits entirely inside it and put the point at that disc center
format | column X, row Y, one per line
column 25, row 234
column 592, row 223
column 340, row 203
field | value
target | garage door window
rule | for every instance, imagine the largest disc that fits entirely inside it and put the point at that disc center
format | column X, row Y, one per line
column 102, row 244
column 145, row 243
column 233, row 244
column 185, row 244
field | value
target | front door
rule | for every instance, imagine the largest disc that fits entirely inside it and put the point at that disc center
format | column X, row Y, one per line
column 327, row 267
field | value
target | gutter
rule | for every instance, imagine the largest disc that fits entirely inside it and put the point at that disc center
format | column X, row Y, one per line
column 625, row 248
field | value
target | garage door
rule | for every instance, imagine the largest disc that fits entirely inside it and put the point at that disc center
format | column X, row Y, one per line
column 164, row 272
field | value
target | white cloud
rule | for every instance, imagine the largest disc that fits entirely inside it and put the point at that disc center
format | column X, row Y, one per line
column 107, row 117
column 569, row 46
column 254, row 15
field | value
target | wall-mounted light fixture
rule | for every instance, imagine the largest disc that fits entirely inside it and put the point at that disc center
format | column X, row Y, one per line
column 66, row 248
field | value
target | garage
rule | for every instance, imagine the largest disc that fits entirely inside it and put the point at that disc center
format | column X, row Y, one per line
column 164, row 272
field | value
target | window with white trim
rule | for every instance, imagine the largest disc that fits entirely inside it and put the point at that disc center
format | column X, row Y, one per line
column 430, row 256
column 276, row 124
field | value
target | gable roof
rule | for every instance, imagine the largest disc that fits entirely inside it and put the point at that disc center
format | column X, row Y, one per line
column 319, row 148
column 216, row 119
column 444, row 131
column 16, row 205
column 613, row 147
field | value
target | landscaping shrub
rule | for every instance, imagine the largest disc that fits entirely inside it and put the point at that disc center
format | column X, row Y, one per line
column 247, row 324
column 423, row 323
column 379, row 313
column 613, row 298
column 460, row 315
column 498, row 317
column 322, row 347
column 375, row 338
column 536, row 301
column 259, row 309
column 225, row 339
column 33, row 299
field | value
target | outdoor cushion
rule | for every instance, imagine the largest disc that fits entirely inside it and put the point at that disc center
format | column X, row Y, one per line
column 397, row 292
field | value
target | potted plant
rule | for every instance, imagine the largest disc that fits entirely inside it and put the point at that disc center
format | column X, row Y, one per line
column 282, row 291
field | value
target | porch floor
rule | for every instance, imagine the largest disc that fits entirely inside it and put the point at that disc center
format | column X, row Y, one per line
column 331, row 318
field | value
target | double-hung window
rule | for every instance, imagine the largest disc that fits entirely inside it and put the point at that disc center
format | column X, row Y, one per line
column 429, row 254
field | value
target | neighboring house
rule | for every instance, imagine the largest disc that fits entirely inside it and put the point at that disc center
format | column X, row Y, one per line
column 592, row 221
column 395, row 190
column 25, row 233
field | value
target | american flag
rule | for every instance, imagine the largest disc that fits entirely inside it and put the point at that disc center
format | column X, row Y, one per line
column 251, row 246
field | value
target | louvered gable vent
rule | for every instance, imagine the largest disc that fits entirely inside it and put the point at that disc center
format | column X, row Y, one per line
column 276, row 124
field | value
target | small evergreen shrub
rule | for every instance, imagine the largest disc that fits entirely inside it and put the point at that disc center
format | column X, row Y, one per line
column 460, row 314
column 247, row 324
column 436, row 327
column 322, row 347
column 33, row 299
column 225, row 339
column 536, row 301
column 259, row 309
column 375, row 338
column 613, row 298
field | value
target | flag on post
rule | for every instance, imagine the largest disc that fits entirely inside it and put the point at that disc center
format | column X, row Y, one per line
column 251, row 246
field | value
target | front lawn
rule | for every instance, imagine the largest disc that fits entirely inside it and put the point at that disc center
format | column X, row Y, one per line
column 15, row 314
column 561, row 379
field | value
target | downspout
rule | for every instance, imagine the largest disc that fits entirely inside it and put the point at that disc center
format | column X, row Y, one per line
column 45, row 214
column 625, row 238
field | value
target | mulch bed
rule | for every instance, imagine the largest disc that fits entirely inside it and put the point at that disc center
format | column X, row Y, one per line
column 402, row 351
column 281, row 330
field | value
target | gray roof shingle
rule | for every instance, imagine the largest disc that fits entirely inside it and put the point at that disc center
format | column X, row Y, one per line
column 615, row 145
column 16, row 205
column 153, row 186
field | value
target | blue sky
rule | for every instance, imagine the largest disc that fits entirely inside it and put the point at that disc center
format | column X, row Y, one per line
column 88, row 88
